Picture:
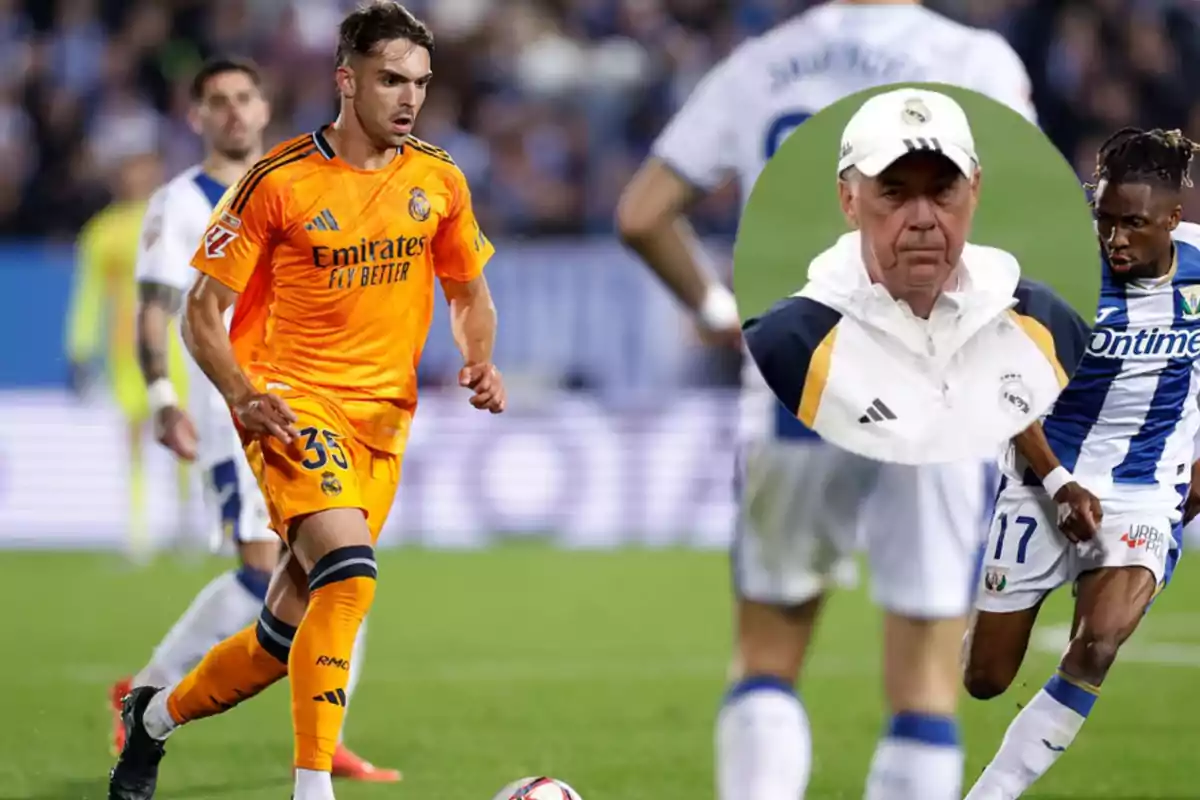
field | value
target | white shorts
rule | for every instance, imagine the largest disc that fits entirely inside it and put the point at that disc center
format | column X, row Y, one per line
column 807, row 507
column 1027, row 557
column 235, row 502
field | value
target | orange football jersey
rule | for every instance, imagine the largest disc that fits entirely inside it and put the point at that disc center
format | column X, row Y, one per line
column 335, row 267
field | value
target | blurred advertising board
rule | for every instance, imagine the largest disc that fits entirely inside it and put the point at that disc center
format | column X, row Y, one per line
column 566, row 467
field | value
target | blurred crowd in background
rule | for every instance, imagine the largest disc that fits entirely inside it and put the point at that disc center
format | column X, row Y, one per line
column 548, row 105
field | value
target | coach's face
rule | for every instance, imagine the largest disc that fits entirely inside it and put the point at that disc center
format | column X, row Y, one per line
column 1134, row 222
column 914, row 218
column 388, row 90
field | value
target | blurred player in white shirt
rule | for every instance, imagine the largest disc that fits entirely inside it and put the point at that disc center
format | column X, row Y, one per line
column 230, row 113
column 803, row 502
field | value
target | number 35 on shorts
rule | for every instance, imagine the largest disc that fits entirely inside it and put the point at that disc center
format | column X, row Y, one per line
column 321, row 447
column 321, row 450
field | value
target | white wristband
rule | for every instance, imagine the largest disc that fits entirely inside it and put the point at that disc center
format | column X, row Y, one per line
column 1056, row 479
column 718, row 311
column 162, row 395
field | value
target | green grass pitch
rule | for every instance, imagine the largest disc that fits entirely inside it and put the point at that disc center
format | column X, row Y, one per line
column 604, row 669
column 1031, row 205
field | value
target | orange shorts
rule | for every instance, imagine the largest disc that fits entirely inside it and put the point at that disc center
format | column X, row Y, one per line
column 325, row 468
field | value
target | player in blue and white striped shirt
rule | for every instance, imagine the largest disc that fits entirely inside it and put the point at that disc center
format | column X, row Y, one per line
column 1094, row 495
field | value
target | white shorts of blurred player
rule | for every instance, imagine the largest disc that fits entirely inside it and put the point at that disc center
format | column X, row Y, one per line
column 1027, row 557
column 234, row 501
column 806, row 508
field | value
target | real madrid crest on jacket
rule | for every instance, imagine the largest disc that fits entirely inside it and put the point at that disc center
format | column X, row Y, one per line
column 866, row 374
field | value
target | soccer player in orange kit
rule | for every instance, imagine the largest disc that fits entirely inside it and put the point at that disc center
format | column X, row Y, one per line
column 330, row 246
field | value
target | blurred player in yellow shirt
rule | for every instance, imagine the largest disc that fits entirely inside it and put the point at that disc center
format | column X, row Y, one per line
column 101, row 321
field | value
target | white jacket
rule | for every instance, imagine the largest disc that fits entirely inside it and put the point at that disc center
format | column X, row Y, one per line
column 867, row 375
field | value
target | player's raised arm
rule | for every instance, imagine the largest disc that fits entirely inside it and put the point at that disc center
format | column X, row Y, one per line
column 688, row 160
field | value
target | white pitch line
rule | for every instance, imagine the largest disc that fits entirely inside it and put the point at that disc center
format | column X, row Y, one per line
column 1141, row 649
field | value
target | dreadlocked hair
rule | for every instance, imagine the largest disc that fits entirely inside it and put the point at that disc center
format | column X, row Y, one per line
column 1132, row 155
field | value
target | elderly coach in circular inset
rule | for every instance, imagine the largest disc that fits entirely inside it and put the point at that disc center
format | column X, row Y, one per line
column 911, row 341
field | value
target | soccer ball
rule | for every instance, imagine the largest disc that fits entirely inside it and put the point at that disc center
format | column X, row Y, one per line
column 537, row 788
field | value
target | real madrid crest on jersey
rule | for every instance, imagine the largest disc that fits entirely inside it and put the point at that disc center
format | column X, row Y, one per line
column 330, row 484
column 418, row 205
column 1189, row 302
column 1015, row 395
column 915, row 112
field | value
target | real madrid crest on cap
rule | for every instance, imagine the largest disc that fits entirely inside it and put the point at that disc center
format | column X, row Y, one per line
column 915, row 112
column 418, row 205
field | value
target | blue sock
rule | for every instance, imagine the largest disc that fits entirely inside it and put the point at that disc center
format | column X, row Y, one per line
column 759, row 683
column 255, row 581
column 764, row 747
column 1075, row 695
column 918, row 758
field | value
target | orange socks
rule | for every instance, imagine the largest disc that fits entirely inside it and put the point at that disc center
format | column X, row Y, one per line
column 341, row 588
column 236, row 669
column 316, row 656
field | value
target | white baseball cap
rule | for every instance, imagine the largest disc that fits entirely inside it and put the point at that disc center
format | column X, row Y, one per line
column 893, row 124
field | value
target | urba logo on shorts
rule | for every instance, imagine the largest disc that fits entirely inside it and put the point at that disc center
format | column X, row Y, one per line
column 330, row 484
column 1146, row 536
